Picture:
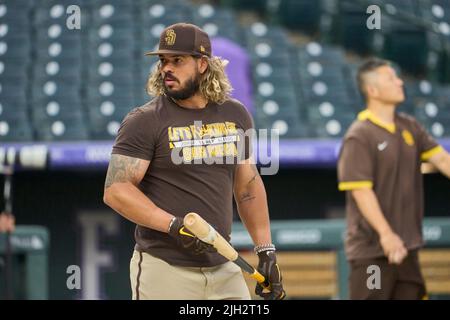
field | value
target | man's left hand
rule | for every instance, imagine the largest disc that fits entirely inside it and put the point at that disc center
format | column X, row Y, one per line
column 269, row 268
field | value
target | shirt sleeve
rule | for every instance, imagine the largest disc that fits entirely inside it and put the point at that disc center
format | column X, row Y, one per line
column 427, row 145
column 355, row 165
column 246, row 122
column 136, row 137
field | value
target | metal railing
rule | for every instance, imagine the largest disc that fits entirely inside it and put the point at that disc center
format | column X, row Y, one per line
column 298, row 235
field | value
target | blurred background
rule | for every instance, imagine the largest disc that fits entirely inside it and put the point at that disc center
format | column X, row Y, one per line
column 293, row 64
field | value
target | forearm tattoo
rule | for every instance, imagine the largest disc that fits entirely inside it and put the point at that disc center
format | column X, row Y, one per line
column 247, row 195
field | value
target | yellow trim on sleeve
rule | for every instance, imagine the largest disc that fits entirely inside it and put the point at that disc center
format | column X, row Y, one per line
column 352, row 185
column 428, row 154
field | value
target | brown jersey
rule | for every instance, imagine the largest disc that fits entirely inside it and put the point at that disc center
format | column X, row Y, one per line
column 386, row 158
column 200, row 177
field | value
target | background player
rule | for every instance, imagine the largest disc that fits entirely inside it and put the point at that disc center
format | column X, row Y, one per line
column 379, row 167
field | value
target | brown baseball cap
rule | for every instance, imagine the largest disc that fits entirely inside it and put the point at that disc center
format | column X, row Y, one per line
column 185, row 39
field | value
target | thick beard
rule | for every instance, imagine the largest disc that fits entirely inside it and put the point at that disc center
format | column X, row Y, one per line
column 190, row 89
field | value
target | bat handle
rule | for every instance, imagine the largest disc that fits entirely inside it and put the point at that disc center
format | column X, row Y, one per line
column 261, row 279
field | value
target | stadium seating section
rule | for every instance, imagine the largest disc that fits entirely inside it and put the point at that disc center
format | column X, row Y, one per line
column 58, row 84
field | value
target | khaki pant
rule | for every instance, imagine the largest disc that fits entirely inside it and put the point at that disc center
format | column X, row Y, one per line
column 155, row 279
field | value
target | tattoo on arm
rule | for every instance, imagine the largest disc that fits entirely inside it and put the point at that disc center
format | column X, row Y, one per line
column 255, row 174
column 247, row 196
column 122, row 169
column 252, row 179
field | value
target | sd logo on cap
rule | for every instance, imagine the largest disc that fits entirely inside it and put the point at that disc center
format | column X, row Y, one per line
column 183, row 39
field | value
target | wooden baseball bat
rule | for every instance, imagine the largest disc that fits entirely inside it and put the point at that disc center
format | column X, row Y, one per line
column 205, row 232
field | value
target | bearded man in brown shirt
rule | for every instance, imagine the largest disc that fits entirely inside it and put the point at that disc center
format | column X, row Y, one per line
column 178, row 154
column 379, row 168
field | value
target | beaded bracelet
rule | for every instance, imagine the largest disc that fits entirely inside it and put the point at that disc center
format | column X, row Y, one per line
column 264, row 247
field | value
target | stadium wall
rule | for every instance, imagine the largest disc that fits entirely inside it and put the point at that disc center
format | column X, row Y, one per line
column 85, row 232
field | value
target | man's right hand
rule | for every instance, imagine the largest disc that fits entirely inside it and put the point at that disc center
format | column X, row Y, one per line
column 186, row 239
column 393, row 247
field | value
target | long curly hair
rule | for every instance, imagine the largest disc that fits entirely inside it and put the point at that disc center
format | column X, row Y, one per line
column 214, row 84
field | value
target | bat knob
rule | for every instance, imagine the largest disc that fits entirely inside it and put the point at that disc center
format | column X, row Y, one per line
column 190, row 219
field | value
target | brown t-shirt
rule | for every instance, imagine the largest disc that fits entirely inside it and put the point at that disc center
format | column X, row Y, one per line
column 386, row 158
column 190, row 181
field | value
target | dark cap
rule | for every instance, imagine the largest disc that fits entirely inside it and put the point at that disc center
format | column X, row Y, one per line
column 185, row 39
